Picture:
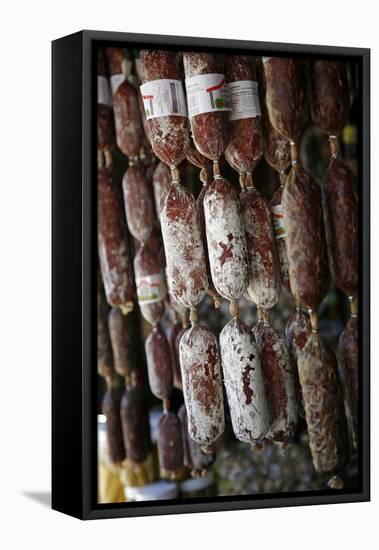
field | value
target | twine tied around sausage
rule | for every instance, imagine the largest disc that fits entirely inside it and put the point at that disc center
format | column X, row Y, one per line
column 294, row 152
column 216, row 170
column 175, row 174
column 334, row 147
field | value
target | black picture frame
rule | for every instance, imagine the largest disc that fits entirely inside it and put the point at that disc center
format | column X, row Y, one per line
column 74, row 449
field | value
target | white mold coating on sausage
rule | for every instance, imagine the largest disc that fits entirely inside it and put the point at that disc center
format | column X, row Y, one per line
column 244, row 382
column 279, row 383
column 186, row 268
column 264, row 274
column 226, row 240
column 202, row 385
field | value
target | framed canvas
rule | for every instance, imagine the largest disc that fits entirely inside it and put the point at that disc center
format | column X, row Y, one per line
column 211, row 274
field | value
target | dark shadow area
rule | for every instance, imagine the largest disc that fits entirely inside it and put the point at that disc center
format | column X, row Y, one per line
column 39, row 496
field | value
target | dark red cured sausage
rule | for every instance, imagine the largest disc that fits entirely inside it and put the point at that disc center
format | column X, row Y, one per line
column 279, row 234
column 193, row 457
column 114, row 253
column 104, row 112
column 135, row 424
column 286, row 95
column 340, row 209
column 172, row 332
column 128, row 124
column 170, row 445
column 138, row 199
column 111, row 410
column 264, row 275
column 119, row 61
column 279, row 383
column 246, row 137
column 161, row 185
column 305, row 239
column 104, row 350
column 158, row 364
column 276, row 148
column 150, row 284
column 323, row 405
column 329, row 93
column 210, row 131
column 122, row 339
column 298, row 330
column 348, row 359
column 169, row 135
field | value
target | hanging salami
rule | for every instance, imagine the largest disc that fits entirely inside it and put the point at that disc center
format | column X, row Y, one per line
column 244, row 384
column 114, row 253
column 279, row 382
column 323, row 405
column 202, row 386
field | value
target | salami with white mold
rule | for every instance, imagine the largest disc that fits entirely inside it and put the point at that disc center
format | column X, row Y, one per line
column 202, row 385
column 279, row 384
column 226, row 239
column 138, row 199
column 264, row 275
column 161, row 185
column 277, row 218
column 194, row 458
column 174, row 328
column 159, row 364
column 114, row 252
column 186, row 269
column 244, row 383
column 340, row 210
column 305, row 238
column 298, row 330
column 201, row 217
column 348, row 354
column 323, row 406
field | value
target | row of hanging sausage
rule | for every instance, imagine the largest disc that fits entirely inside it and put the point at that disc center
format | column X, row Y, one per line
column 231, row 243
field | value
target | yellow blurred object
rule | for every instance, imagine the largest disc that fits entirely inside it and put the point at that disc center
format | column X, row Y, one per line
column 136, row 475
column 110, row 488
column 350, row 134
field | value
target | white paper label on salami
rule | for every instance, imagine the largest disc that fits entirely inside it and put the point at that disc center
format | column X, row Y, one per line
column 116, row 80
column 163, row 97
column 266, row 59
column 278, row 221
column 244, row 99
column 103, row 91
column 150, row 289
column 207, row 93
